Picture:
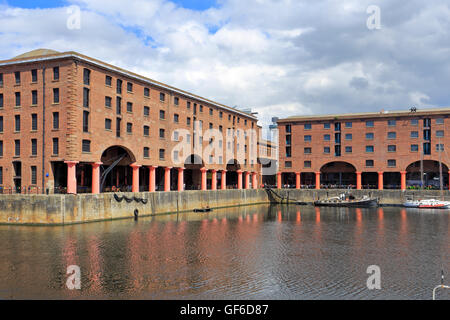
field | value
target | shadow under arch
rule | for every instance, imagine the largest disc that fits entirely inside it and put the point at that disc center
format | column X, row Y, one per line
column 232, row 176
column 192, row 174
column 116, row 173
column 338, row 174
column 431, row 174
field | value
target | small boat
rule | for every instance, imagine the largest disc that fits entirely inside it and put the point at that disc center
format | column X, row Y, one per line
column 207, row 209
column 427, row 204
column 347, row 201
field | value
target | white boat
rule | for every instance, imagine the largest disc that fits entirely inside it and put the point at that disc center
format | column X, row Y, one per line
column 427, row 203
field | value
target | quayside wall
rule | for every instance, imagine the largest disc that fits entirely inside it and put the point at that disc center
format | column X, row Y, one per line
column 71, row 209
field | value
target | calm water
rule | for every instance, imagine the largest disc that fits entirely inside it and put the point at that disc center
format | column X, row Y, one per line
column 256, row 252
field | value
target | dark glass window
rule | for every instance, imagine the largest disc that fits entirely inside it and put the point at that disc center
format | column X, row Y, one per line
column 55, row 95
column 392, row 123
column 1, row 79
column 1, row 148
column 34, row 97
column 307, row 164
column 129, row 87
column 86, row 76
column 34, row 121
column 1, row 100
column 85, row 121
column 129, row 127
column 175, row 118
column 17, row 94
column 56, row 73
column 348, row 136
column 146, row 92
column 326, row 137
column 86, row 146
column 369, row 163
column 369, row 136
column 1, row 175
column 108, row 102
column 161, row 133
column 55, row 120
column 118, row 123
column 392, row 148
column 176, row 101
column 369, row 124
column 162, row 153
column 391, row 163
column 414, row 147
column 146, row 111
column 33, row 175
column 17, row 123
column 17, row 148
column 119, row 86
column 307, row 126
column 34, row 75
column 307, row 138
column 307, row 150
column 17, row 77
column 86, row 97
column 1, row 123
column 326, row 150
column 129, row 107
column 33, row 147
column 108, row 81
column 414, row 134
column 118, row 105
column 162, row 97
column 288, row 152
column 369, row 148
column 108, row 124
column 392, row 135
column 162, row 114
column 146, row 131
column 146, row 152
column 348, row 149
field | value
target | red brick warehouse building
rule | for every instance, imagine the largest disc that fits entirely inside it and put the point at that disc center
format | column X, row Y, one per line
column 385, row 150
column 72, row 123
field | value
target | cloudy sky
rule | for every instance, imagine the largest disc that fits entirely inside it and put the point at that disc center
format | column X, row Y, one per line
column 278, row 57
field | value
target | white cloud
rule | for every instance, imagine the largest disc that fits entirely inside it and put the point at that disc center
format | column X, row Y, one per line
column 278, row 57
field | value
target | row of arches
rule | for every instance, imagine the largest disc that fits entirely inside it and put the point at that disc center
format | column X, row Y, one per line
column 345, row 175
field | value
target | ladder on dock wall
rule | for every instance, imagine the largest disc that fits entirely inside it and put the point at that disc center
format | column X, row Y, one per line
column 274, row 197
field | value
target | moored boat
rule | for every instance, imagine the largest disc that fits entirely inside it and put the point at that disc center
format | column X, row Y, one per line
column 427, row 204
column 347, row 201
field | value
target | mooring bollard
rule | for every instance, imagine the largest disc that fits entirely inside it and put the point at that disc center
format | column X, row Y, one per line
column 136, row 214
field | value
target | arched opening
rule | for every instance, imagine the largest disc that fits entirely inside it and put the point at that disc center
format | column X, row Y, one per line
column 192, row 173
column 431, row 174
column 116, row 173
column 338, row 175
column 232, row 176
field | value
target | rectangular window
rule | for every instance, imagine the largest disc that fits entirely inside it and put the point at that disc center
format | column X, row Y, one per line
column 1, row 100
column 288, row 128
column 288, row 164
column 307, row 164
column 369, row 136
column 162, row 114
column 201, row 109
column 1, row 123
column 146, row 111
column 86, row 146
column 146, row 131
column 108, row 81
column 392, row 148
column 85, row 121
column 288, row 140
column 34, row 121
column 34, row 97
column 440, row 121
column 439, row 147
column 16, row 148
column 129, row 127
column 118, row 105
column 392, row 123
column 1, row 79
column 119, row 86
column 348, row 136
column 86, row 97
column 176, row 101
column 427, row 148
column 108, row 124
column 391, row 163
column 369, row 163
column 108, row 102
column 188, row 121
column 414, row 122
column 55, row 120
column 17, row 77
column 175, row 118
column 162, row 154
column 33, row 175
column 34, row 75
column 307, row 150
column 307, row 138
column 55, row 95
column 129, row 87
column 326, row 150
column 414, row 148
column 161, row 133
column 348, row 149
column 392, row 135
column 1, row 175
column 348, row 124
column 146, row 152
column 326, row 137
column 440, row 133
column 1, row 148
column 129, row 107
column 118, row 127
column 56, row 73
column 326, row 125
column 33, row 147
column 369, row 124
column 17, row 123
column 414, row 134
column 162, row 97
column 307, row 126
column 147, row 92
column 17, row 94
column 369, row 149
column 188, row 104
column 210, row 111
column 220, row 114
column 86, row 76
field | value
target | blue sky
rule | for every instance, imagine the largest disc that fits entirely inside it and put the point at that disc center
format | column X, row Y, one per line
column 188, row 4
